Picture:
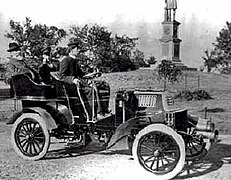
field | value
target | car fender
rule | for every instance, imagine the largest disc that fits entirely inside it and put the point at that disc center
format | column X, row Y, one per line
column 119, row 139
column 49, row 121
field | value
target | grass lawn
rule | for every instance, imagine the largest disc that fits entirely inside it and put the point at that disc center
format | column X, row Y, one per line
column 217, row 85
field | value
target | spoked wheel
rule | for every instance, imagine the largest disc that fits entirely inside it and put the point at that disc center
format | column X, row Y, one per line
column 196, row 146
column 30, row 137
column 160, row 151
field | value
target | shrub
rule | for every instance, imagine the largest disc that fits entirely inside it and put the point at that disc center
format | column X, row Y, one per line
column 196, row 95
column 201, row 95
column 184, row 95
column 169, row 72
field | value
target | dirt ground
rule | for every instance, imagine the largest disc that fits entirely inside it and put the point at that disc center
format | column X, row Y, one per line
column 94, row 163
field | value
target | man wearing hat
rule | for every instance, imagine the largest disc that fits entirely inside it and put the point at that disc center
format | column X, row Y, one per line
column 14, row 48
column 71, row 73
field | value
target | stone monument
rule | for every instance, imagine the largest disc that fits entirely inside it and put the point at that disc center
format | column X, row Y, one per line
column 170, row 42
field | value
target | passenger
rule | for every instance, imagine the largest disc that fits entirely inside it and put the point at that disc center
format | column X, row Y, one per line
column 47, row 66
column 14, row 49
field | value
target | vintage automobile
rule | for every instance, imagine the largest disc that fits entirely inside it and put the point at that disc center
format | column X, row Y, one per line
column 161, row 138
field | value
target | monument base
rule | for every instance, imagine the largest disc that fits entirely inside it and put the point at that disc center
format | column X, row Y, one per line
column 179, row 64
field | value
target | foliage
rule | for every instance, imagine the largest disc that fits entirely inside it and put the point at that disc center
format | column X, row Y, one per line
column 138, row 59
column 209, row 60
column 193, row 95
column 223, row 44
column 221, row 54
column 184, row 95
column 226, row 70
column 99, row 48
column 3, row 71
column 32, row 39
column 169, row 72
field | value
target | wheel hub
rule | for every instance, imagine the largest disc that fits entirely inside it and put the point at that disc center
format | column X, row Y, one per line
column 30, row 137
column 157, row 153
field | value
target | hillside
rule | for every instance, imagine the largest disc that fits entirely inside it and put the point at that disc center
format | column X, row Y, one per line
column 218, row 86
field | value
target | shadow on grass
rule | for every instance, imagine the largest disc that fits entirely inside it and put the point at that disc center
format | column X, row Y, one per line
column 213, row 110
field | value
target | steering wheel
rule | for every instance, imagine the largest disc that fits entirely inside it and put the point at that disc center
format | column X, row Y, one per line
column 92, row 75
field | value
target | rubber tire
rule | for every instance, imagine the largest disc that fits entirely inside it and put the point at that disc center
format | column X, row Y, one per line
column 42, row 124
column 167, row 130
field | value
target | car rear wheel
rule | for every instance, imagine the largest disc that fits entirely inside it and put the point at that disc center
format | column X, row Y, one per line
column 30, row 137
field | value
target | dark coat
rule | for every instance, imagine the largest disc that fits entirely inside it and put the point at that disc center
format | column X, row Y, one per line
column 44, row 72
column 69, row 70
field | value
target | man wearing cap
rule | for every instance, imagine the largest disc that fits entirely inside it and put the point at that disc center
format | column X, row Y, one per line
column 71, row 73
column 70, row 70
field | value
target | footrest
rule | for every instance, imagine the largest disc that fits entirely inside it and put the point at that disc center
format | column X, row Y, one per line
column 92, row 121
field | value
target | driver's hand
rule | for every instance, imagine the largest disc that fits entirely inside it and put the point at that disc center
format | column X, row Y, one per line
column 76, row 81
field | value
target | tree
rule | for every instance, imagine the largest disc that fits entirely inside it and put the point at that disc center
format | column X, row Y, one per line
column 168, row 72
column 121, row 50
column 138, row 58
column 209, row 60
column 223, row 43
column 221, row 54
column 100, row 48
column 32, row 39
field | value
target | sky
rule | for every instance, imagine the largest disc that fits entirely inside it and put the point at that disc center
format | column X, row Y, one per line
column 56, row 12
column 201, row 20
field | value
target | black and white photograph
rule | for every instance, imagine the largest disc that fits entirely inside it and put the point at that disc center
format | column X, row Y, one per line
column 115, row 89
